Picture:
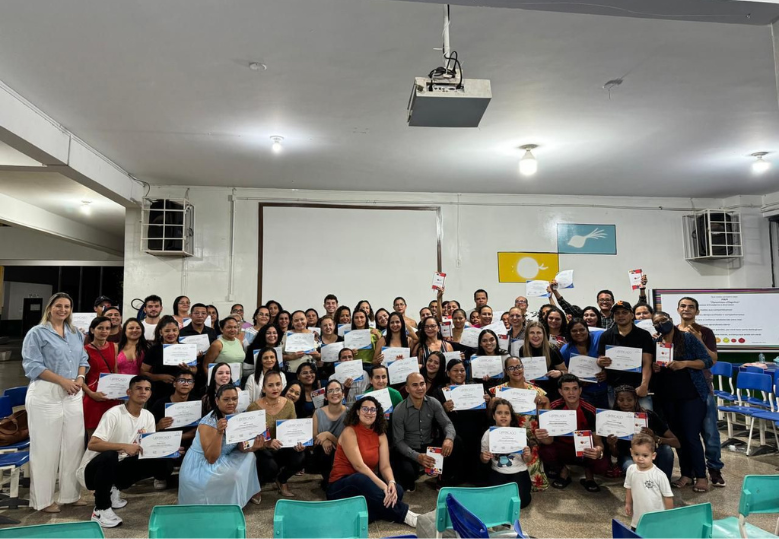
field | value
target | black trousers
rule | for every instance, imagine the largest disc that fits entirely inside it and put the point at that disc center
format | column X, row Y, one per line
column 685, row 419
column 106, row 471
column 279, row 465
column 407, row 471
column 320, row 462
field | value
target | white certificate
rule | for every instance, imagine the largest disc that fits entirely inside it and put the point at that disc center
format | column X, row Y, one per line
column 279, row 356
column 635, row 278
column 299, row 342
column 647, row 325
column 330, row 352
column 83, row 320
column 343, row 328
column 536, row 289
column 624, row 358
column 515, row 347
column 187, row 321
column 161, row 445
column 184, row 414
column 582, row 439
column 470, row 337
column 438, row 456
column 585, row 367
column 446, row 328
column 438, row 281
column 114, row 385
column 235, row 370
column 523, row 401
column 244, row 400
column 316, row 330
column 535, row 367
column 358, row 339
column 506, row 440
column 318, row 397
column 664, row 353
column 498, row 328
column 482, row 366
column 466, row 397
column 620, row 424
column 201, row 341
column 564, row 279
column 384, row 398
column 395, row 353
column 452, row 355
column 245, row 427
column 291, row 432
column 348, row 369
column 400, row 369
column 557, row 422
column 174, row 355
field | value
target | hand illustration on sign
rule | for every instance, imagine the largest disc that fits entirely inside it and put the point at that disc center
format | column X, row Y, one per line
column 577, row 242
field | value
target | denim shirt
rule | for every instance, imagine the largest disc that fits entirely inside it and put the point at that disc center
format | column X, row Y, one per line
column 44, row 349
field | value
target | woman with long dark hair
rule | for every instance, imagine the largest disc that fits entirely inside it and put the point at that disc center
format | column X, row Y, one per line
column 266, row 361
column 102, row 360
column 132, row 348
column 161, row 375
column 537, row 344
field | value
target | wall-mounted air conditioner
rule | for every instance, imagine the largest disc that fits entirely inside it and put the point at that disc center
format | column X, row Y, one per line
column 712, row 234
column 168, row 227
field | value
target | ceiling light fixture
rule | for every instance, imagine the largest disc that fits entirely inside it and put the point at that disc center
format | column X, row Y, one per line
column 760, row 165
column 528, row 164
column 85, row 207
column 277, row 147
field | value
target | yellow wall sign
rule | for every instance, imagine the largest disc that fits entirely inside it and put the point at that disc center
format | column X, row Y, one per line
column 523, row 267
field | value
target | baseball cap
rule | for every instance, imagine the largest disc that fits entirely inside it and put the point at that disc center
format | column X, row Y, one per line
column 621, row 305
column 103, row 299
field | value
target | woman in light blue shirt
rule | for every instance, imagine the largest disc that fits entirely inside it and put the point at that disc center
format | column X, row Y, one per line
column 54, row 359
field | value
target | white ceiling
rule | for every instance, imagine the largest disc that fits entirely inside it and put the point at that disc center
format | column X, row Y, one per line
column 163, row 89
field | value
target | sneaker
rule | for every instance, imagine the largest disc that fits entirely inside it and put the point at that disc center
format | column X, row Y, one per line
column 160, row 484
column 106, row 518
column 411, row 519
column 716, row 478
column 117, row 502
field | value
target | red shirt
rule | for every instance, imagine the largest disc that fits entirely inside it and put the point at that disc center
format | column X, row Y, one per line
column 368, row 443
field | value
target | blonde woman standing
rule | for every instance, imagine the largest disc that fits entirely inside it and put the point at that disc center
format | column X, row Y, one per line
column 54, row 359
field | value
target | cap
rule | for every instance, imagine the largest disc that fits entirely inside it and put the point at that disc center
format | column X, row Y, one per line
column 621, row 305
column 103, row 299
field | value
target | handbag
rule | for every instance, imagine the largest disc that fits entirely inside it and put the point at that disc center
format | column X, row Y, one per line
column 13, row 429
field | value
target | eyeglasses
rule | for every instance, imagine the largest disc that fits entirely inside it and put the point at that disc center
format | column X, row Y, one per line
column 333, row 391
column 368, row 411
column 185, row 381
column 515, row 368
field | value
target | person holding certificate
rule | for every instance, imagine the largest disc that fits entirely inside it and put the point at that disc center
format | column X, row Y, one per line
column 395, row 337
column 181, row 309
column 362, row 465
column 536, row 344
column 507, row 467
column 583, row 342
column 328, row 336
column 488, row 346
column 413, row 432
column 132, row 348
column 215, row 472
column 556, row 326
column 681, row 392
column 161, row 375
column 269, row 336
column 430, row 340
column 266, row 361
column 294, row 359
column 182, row 392
column 102, row 360
column 274, row 462
column 111, row 462
column 343, row 316
column 380, row 380
column 366, row 355
column 260, row 318
column 352, row 387
column 458, row 325
column 514, row 378
column 328, row 425
column 558, row 452
column 228, row 348
column 516, row 328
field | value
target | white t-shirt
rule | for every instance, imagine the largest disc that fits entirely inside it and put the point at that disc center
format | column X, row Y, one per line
column 505, row 464
column 648, row 488
column 118, row 426
column 148, row 330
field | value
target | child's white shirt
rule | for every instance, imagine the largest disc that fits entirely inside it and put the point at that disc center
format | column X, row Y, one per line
column 648, row 489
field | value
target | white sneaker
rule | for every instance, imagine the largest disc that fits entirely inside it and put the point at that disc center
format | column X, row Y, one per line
column 117, row 502
column 160, row 484
column 411, row 519
column 106, row 518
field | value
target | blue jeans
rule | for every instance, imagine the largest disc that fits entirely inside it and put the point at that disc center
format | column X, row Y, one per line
column 710, row 434
column 664, row 460
column 644, row 402
column 358, row 484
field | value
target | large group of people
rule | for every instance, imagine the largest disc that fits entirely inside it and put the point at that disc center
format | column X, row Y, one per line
column 359, row 446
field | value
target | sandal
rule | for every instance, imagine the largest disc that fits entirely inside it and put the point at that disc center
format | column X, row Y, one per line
column 256, row 499
column 284, row 490
column 697, row 488
column 53, row 508
column 682, row 482
column 589, row 485
column 561, row 482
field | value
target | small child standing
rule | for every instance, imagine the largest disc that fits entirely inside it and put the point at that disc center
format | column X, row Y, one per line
column 647, row 486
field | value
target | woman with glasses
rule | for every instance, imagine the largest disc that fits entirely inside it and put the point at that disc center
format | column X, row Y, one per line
column 430, row 340
column 261, row 317
column 362, row 465
column 514, row 377
column 328, row 425
column 399, row 305
column 351, row 387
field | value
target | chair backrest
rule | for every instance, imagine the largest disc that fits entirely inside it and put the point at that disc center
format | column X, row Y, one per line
column 205, row 521
column 722, row 368
column 758, row 370
column 759, row 494
column 754, row 381
column 492, row 505
column 5, row 406
column 65, row 529
column 619, row 530
column 334, row 518
column 465, row 523
column 17, row 395
column 690, row 522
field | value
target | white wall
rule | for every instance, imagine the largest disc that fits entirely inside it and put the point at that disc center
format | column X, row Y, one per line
column 649, row 236
column 24, row 247
column 14, row 294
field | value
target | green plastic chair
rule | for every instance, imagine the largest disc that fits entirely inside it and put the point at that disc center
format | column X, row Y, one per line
column 759, row 494
column 66, row 530
column 690, row 522
column 204, row 521
column 492, row 505
column 347, row 518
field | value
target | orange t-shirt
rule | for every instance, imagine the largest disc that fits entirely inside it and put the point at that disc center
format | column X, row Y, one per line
column 368, row 442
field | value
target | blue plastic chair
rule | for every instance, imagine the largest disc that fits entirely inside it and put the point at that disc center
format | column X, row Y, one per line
column 5, row 410
column 466, row 524
column 759, row 494
column 620, row 531
column 347, row 518
column 204, row 521
column 64, row 529
column 12, row 463
column 492, row 505
column 748, row 381
column 17, row 395
column 690, row 522
column 724, row 371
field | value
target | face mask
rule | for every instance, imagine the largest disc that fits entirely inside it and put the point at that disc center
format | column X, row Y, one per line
column 665, row 328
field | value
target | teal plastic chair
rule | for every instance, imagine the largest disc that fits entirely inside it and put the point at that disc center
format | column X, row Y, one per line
column 492, row 505
column 759, row 494
column 691, row 522
column 66, row 530
column 204, row 521
column 347, row 518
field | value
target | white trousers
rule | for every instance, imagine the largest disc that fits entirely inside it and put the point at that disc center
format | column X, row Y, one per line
column 56, row 423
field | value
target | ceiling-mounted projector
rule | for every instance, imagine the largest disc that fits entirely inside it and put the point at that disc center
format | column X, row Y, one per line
column 444, row 98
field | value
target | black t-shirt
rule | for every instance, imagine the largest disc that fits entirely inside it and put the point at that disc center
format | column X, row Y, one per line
column 655, row 423
column 158, row 411
column 636, row 338
column 189, row 331
column 200, row 377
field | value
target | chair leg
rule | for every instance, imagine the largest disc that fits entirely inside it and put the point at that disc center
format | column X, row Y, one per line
column 749, row 438
column 13, row 501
